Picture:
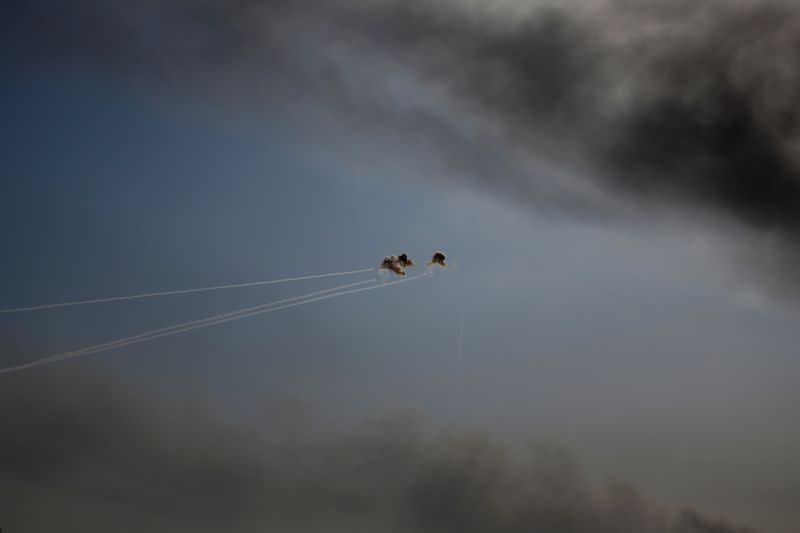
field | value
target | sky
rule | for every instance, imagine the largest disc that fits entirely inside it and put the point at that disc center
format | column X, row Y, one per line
column 612, row 347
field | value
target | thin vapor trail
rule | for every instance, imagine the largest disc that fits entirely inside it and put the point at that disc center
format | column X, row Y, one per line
column 146, row 334
column 180, row 291
column 198, row 324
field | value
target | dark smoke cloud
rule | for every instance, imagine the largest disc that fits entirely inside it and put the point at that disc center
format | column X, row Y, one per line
column 695, row 104
column 85, row 454
column 681, row 104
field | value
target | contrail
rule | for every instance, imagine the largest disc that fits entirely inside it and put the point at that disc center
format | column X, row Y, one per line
column 111, row 344
column 197, row 324
column 179, row 291
column 146, row 334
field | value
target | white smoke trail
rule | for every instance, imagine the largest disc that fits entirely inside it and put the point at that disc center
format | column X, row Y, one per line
column 179, row 291
column 144, row 335
column 197, row 324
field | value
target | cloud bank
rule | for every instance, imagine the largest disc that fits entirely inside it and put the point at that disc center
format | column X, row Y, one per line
column 682, row 106
column 87, row 454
